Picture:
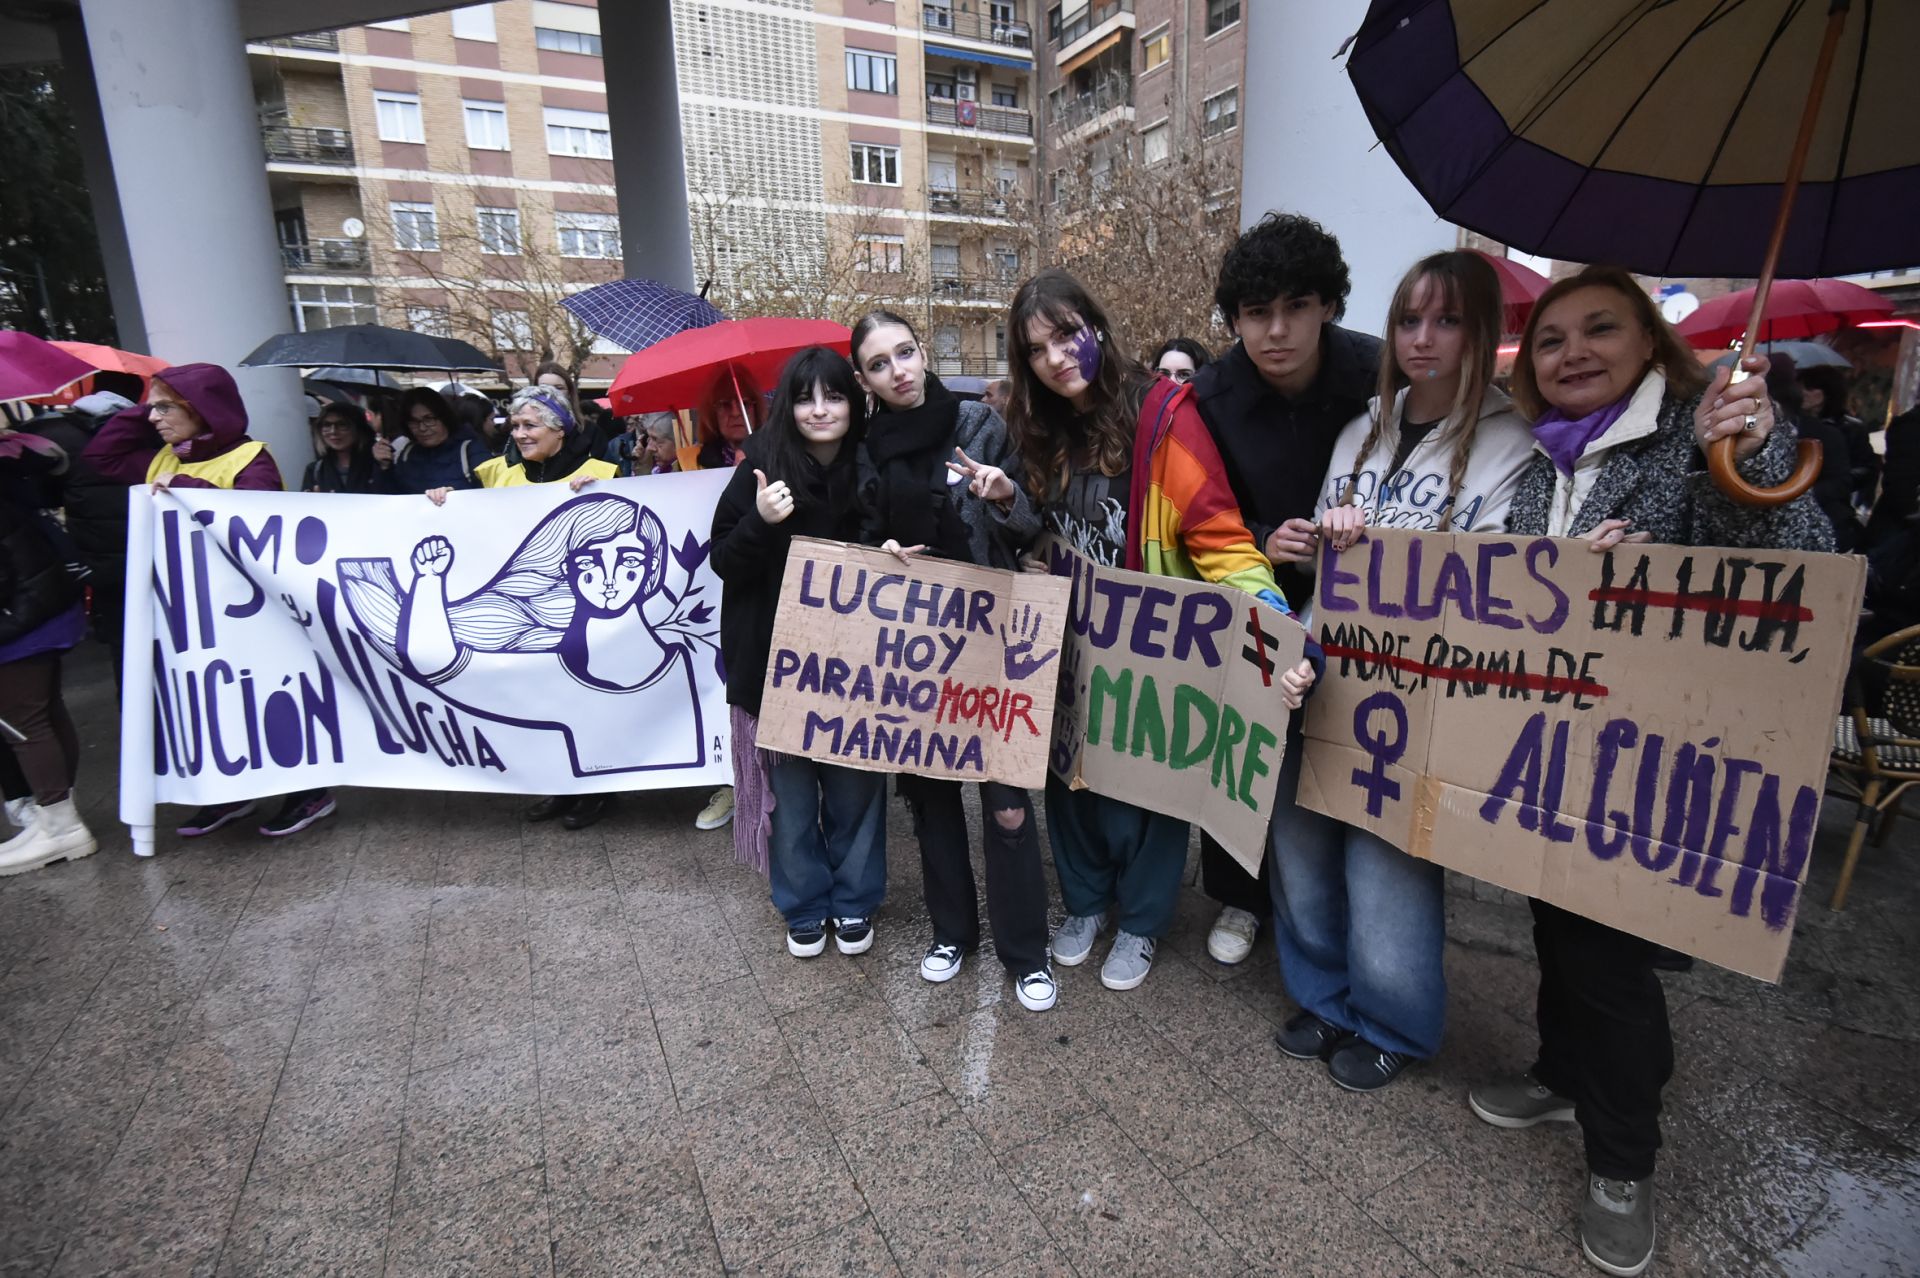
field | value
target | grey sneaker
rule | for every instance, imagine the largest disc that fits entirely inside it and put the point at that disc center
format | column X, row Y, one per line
column 1616, row 1224
column 1128, row 962
column 1519, row 1101
column 1073, row 939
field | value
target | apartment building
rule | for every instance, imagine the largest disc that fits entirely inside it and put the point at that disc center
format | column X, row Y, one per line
column 452, row 172
column 1141, row 81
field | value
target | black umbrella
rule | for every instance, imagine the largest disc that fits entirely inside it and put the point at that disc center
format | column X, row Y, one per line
column 369, row 346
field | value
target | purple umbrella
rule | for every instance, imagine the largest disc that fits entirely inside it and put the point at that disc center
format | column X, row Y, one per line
column 31, row 368
column 638, row 313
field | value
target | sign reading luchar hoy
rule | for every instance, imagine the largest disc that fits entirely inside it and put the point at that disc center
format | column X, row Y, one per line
column 1639, row 736
column 941, row 669
column 1170, row 697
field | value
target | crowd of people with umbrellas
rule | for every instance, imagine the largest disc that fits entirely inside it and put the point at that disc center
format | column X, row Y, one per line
column 1235, row 469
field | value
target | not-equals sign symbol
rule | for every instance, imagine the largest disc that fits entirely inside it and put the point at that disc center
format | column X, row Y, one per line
column 1256, row 652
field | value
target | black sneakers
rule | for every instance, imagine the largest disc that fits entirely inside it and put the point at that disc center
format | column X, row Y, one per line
column 807, row 940
column 1308, row 1038
column 853, row 936
column 1359, row 1066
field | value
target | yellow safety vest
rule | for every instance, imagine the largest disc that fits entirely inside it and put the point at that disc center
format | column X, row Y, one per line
column 495, row 473
column 219, row 471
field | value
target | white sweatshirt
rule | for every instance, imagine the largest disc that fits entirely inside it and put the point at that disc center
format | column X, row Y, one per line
column 1415, row 496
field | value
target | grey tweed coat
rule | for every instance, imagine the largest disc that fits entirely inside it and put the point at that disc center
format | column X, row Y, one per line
column 1660, row 483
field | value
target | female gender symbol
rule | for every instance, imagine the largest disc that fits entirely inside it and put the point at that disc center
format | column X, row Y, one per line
column 1374, row 781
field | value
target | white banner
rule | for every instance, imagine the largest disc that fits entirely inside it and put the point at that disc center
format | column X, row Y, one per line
column 525, row 641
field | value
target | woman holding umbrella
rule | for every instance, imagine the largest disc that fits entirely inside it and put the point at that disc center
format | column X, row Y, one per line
column 1622, row 416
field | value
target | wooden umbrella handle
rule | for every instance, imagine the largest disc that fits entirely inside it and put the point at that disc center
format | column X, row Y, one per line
column 1731, row 482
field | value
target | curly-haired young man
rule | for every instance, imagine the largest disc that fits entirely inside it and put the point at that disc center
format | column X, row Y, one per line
column 1275, row 402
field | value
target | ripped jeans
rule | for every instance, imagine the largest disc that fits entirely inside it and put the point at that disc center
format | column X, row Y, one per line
column 1016, row 885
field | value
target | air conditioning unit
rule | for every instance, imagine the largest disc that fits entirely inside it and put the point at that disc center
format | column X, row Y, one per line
column 967, row 82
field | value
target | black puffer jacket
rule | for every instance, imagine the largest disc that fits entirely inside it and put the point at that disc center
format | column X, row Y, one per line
column 35, row 586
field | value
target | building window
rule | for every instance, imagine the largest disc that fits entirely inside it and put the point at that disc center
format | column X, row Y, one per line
column 317, row 306
column 944, row 87
column 937, row 15
column 1005, row 259
column 414, row 226
column 1000, row 14
column 1156, row 143
column 582, row 133
column 872, row 72
column 486, row 125
column 1056, row 186
column 875, row 165
column 398, row 115
column 880, row 253
column 1155, row 48
column 433, row 321
column 511, row 330
column 946, row 261
column 1005, row 95
column 1222, row 113
column 1221, row 14
column 566, row 41
column 475, row 22
column 499, row 230
column 588, row 234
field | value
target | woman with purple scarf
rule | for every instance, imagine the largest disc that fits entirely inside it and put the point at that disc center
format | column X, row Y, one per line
column 1623, row 414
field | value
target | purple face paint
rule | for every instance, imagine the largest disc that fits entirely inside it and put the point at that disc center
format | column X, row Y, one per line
column 1086, row 353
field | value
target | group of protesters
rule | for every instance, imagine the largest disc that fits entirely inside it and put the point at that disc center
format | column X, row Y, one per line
column 1234, row 470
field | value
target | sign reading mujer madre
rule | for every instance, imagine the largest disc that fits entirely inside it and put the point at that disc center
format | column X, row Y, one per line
column 941, row 669
column 1639, row 736
column 526, row 640
column 1170, row 697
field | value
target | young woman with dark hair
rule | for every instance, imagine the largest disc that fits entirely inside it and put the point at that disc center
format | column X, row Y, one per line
column 1360, row 926
column 824, row 842
column 1122, row 467
column 343, row 453
column 1180, row 359
column 938, row 474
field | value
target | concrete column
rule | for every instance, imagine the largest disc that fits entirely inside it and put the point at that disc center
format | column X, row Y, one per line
column 649, row 163
column 1307, row 148
column 177, row 102
column 103, row 193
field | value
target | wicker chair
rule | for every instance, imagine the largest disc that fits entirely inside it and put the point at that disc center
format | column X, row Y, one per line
column 1876, row 741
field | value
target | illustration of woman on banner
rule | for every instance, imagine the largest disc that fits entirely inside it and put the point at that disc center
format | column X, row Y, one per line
column 564, row 626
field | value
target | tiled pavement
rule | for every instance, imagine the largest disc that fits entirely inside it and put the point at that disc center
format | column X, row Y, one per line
column 427, row 1039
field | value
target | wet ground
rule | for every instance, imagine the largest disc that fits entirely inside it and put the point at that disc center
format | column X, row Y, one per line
column 425, row 1038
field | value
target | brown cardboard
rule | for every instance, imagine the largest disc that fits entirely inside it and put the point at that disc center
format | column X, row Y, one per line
column 1208, row 660
column 940, row 669
column 1735, row 676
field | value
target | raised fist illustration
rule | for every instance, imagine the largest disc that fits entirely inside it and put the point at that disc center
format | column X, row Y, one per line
column 433, row 556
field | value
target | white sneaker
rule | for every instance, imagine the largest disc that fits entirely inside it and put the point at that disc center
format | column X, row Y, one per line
column 1232, row 937
column 57, row 834
column 853, row 936
column 1036, row 990
column 941, row 964
column 1073, row 939
column 20, row 811
column 718, row 812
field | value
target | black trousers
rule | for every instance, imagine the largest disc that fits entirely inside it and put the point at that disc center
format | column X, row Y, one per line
column 1604, row 1038
column 1016, row 884
column 1223, row 879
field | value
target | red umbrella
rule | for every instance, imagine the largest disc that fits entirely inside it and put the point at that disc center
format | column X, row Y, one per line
column 1520, row 287
column 679, row 371
column 1795, row 308
column 30, row 367
column 111, row 359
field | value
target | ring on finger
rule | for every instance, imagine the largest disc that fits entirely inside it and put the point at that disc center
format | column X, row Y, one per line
column 1751, row 424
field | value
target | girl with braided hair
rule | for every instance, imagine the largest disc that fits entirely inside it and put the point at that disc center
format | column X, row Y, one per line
column 1359, row 925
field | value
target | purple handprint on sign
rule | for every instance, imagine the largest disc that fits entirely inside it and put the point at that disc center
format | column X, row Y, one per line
column 1018, row 658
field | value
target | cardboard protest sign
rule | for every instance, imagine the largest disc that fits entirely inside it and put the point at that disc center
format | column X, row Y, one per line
column 522, row 641
column 941, row 669
column 1640, row 736
column 1170, row 697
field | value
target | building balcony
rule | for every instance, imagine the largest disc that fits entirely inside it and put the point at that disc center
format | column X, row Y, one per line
column 296, row 145
column 311, row 42
column 1063, row 38
column 326, row 257
column 938, row 19
column 979, row 117
column 949, row 286
column 967, row 366
column 961, row 202
column 1108, row 103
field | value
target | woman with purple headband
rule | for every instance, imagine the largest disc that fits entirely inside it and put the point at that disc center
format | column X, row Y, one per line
column 552, row 449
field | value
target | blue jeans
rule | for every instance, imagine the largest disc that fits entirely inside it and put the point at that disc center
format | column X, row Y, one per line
column 1360, row 926
column 827, row 852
